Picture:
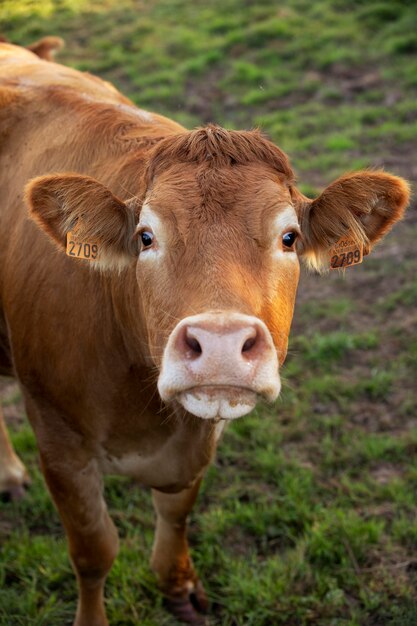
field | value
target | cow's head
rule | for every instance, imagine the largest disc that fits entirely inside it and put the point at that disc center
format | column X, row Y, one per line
column 216, row 239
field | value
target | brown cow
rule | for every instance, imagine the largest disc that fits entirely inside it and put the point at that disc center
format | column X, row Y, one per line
column 131, row 362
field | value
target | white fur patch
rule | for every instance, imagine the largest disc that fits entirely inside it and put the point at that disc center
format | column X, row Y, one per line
column 145, row 116
column 212, row 405
column 317, row 260
column 127, row 464
column 219, row 428
column 284, row 222
column 149, row 219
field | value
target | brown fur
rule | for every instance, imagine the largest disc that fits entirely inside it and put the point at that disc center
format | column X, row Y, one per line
column 47, row 47
column 87, row 344
column 364, row 204
column 67, row 206
column 215, row 147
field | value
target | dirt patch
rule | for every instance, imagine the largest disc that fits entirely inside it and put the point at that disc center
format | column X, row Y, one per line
column 386, row 473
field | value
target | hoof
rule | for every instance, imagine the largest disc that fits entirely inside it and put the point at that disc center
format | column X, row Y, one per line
column 14, row 492
column 189, row 606
column 14, row 478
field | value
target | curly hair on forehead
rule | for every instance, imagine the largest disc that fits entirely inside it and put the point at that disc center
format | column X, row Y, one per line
column 217, row 147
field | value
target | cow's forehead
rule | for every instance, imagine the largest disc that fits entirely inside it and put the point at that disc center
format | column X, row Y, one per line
column 252, row 193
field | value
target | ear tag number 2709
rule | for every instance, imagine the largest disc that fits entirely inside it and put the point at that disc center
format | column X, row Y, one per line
column 81, row 249
column 345, row 253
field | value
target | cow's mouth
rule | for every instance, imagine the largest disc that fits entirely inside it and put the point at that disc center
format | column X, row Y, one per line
column 218, row 401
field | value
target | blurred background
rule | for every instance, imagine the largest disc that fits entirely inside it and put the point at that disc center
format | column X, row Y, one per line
column 308, row 516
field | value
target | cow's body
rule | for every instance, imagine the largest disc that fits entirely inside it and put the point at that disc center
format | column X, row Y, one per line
column 83, row 343
column 134, row 434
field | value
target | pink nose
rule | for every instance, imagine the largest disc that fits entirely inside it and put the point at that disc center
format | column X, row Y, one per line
column 234, row 346
column 222, row 349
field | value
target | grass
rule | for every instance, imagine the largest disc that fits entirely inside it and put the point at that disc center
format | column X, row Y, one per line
column 307, row 517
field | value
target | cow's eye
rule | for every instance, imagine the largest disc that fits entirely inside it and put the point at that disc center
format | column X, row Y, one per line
column 288, row 240
column 146, row 238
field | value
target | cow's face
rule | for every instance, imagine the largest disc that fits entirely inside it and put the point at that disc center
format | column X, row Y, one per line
column 218, row 272
column 217, row 242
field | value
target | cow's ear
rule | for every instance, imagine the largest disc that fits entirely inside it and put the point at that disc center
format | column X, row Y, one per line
column 64, row 203
column 363, row 206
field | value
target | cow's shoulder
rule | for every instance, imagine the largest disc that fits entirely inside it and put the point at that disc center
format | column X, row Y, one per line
column 32, row 87
column 28, row 72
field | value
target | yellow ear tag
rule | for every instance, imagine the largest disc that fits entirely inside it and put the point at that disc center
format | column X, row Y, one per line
column 81, row 249
column 345, row 253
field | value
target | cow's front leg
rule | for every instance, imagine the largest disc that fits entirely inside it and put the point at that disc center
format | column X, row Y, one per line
column 76, row 488
column 171, row 561
column 13, row 475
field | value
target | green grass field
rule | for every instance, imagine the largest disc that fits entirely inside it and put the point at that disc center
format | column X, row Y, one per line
column 308, row 515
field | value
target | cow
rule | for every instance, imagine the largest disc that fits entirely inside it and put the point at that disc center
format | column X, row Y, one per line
column 147, row 284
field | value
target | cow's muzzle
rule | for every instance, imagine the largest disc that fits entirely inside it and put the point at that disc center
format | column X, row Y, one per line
column 217, row 365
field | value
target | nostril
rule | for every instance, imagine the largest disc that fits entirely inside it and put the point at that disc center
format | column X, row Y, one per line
column 249, row 343
column 193, row 344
